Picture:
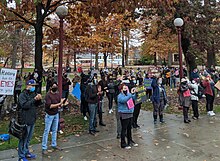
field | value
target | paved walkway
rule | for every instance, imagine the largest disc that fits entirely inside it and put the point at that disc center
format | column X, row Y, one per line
column 173, row 141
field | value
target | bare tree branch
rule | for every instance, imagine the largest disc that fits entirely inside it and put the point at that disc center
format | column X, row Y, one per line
column 21, row 17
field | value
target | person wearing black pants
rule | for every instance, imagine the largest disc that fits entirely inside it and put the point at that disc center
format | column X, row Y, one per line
column 126, row 127
column 194, row 98
column 136, row 113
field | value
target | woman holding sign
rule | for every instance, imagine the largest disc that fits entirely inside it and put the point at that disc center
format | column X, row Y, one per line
column 126, row 109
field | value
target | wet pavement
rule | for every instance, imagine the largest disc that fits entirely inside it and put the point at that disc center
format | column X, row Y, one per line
column 173, row 141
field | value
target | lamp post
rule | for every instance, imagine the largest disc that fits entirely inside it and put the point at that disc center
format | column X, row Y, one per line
column 178, row 22
column 61, row 11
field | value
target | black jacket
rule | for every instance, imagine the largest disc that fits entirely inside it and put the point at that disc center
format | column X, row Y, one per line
column 91, row 94
column 27, row 107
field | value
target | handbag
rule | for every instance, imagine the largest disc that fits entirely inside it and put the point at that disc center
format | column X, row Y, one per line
column 130, row 103
column 17, row 130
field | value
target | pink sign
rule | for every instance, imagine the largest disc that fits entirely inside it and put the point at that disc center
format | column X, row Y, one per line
column 186, row 93
column 130, row 103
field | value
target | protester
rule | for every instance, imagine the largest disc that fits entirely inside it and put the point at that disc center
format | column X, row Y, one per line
column 126, row 116
column 100, row 104
column 65, row 84
column 28, row 102
column 92, row 99
column 52, row 104
column 185, row 99
column 110, row 93
column 208, row 83
column 159, row 99
column 194, row 98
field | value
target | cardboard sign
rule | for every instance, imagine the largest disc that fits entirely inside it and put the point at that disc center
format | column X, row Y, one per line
column 7, row 81
column 130, row 103
column 141, row 96
column 147, row 83
column 217, row 85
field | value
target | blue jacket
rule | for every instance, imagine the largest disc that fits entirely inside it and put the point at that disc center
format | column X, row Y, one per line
column 156, row 92
column 122, row 103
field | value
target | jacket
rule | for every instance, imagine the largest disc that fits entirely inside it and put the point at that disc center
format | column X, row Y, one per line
column 27, row 107
column 156, row 92
column 184, row 101
column 194, row 91
column 65, row 84
column 91, row 94
column 122, row 102
column 208, row 87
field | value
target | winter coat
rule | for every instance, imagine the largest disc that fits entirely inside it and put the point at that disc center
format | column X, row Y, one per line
column 27, row 107
column 194, row 91
column 122, row 102
column 184, row 101
column 156, row 92
column 208, row 87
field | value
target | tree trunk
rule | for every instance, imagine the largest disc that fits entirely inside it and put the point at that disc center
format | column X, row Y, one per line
column 123, row 49
column 74, row 59
column 105, row 59
column 6, row 61
column 211, row 61
column 54, row 58
column 96, row 60
column 15, row 48
column 155, row 58
column 38, row 44
column 127, row 47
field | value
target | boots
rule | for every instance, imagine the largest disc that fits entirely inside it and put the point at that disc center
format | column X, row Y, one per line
column 100, row 120
column 161, row 119
column 155, row 119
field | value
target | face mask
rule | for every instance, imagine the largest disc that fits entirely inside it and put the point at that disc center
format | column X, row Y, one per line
column 54, row 89
column 32, row 89
column 95, row 81
column 125, row 92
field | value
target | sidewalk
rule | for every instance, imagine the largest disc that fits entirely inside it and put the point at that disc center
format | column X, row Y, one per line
column 173, row 141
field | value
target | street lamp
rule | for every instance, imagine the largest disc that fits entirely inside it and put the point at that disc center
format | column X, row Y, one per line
column 61, row 12
column 178, row 22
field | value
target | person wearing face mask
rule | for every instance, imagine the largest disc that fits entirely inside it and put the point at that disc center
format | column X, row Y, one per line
column 65, row 86
column 28, row 101
column 159, row 99
column 110, row 93
column 52, row 104
column 91, row 95
column 126, row 115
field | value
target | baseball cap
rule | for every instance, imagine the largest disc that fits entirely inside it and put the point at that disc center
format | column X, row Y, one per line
column 31, row 82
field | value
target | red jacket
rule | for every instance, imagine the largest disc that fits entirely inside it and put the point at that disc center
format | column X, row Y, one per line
column 208, row 89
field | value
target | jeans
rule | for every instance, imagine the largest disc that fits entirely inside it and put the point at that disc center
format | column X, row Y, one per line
column 51, row 122
column 92, row 118
column 173, row 82
column 126, row 127
column 24, row 143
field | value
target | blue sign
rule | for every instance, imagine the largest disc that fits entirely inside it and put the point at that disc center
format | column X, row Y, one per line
column 147, row 83
column 76, row 91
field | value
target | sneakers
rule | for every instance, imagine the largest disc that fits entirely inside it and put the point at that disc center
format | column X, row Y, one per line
column 127, row 147
column 57, row 148
column 110, row 111
column 30, row 156
column 60, row 131
column 133, row 144
column 85, row 118
column 22, row 159
column 211, row 113
column 44, row 152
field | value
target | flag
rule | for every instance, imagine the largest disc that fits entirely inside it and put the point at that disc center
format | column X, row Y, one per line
column 76, row 91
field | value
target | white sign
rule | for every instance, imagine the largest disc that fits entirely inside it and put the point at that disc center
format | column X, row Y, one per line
column 7, row 81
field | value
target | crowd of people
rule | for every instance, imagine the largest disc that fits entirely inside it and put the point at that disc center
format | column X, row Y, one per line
column 119, row 87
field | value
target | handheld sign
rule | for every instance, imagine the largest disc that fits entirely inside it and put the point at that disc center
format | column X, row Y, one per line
column 147, row 83
column 76, row 91
column 7, row 81
column 141, row 96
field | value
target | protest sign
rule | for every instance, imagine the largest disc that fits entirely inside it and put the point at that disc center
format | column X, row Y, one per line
column 147, row 83
column 7, row 81
column 217, row 85
column 76, row 91
column 141, row 96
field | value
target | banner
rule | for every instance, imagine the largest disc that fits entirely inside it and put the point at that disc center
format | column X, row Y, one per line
column 141, row 96
column 76, row 91
column 7, row 81
column 147, row 83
